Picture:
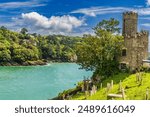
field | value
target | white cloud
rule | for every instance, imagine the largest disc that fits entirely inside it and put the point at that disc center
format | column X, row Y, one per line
column 148, row 2
column 146, row 24
column 144, row 11
column 54, row 24
column 13, row 5
column 93, row 11
column 66, row 24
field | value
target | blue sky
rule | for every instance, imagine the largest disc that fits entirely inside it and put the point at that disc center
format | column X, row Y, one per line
column 69, row 17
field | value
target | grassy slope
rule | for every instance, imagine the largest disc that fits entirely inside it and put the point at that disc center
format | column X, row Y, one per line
column 133, row 90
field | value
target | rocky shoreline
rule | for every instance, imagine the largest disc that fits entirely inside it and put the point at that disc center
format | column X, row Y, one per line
column 27, row 63
column 33, row 63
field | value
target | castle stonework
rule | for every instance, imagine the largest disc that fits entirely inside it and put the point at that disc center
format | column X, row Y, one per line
column 135, row 43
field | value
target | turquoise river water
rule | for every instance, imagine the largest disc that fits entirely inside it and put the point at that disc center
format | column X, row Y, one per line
column 38, row 82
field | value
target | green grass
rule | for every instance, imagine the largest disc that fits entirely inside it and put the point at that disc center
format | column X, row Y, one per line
column 133, row 89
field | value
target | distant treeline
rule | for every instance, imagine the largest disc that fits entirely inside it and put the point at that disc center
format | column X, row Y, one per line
column 23, row 48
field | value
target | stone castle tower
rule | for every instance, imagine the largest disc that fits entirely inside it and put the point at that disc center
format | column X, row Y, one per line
column 135, row 43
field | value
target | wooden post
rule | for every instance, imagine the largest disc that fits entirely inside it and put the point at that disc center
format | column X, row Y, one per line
column 147, row 94
column 101, row 86
column 94, row 89
column 137, row 77
column 112, row 84
column 86, row 94
column 120, row 86
column 141, row 78
column 123, row 94
column 87, row 86
column 83, row 88
column 91, row 92
column 84, row 84
column 108, row 87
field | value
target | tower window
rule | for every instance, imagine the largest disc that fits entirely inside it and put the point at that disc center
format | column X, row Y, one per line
column 124, row 52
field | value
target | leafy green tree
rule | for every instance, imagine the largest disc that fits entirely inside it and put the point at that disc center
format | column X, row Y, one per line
column 24, row 31
column 3, row 28
column 101, row 52
column 110, row 25
column 22, row 47
column 5, row 55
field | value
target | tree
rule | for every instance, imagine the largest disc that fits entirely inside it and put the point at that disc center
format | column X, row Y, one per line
column 107, row 25
column 3, row 28
column 22, row 47
column 5, row 55
column 24, row 31
column 101, row 52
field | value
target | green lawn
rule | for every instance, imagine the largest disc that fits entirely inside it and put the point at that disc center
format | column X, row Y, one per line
column 133, row 89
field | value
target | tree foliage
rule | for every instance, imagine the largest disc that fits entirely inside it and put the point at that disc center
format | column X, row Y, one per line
column 110, row 25
column 22, row 47
column 101, row 52
column 24, row 31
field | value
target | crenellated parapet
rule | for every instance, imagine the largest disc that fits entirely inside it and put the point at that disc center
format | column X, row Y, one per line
column 130, row 15
column 143, row 33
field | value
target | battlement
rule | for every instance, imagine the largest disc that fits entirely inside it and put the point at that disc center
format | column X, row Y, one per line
column 138, row 34
column 144, row 32
column 131, row 15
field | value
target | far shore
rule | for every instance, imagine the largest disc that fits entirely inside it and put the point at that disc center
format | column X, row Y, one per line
column 34, row 63
column 27, row 63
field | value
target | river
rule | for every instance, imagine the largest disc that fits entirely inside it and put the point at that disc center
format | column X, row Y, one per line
column 38, row 82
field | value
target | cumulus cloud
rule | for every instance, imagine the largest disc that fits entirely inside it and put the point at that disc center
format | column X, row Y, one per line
column 54, row 24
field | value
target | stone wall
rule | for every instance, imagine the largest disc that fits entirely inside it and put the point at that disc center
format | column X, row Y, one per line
column 135, row 43
column 129, row 23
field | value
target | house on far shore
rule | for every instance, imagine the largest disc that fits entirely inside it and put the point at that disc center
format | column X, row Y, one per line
column 135, row 51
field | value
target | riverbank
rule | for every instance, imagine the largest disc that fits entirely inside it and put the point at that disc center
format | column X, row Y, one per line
column 27, row 63
column 34, row 63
